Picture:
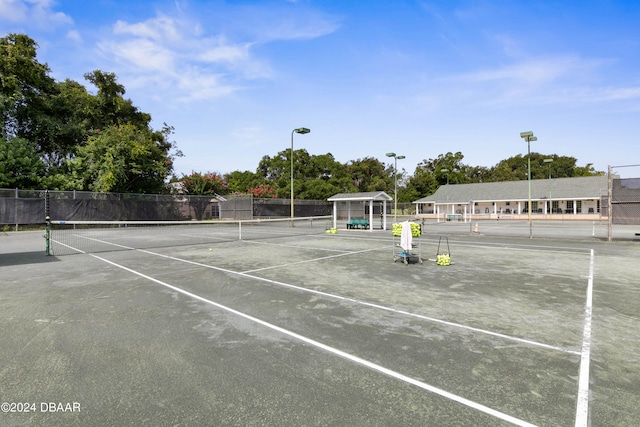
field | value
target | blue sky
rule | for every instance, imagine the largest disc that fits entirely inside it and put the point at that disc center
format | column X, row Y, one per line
column 419, row 78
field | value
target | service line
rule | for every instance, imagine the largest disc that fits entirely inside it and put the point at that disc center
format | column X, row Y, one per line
column 355, row 359
column 365, row 303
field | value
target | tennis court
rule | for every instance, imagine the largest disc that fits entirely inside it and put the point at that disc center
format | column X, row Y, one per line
column 297, row 327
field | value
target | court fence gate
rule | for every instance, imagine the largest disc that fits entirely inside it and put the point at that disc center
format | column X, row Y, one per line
column 623, row 200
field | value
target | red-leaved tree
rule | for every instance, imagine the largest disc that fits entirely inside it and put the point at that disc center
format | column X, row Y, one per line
column 202, row 184
column 263, row 190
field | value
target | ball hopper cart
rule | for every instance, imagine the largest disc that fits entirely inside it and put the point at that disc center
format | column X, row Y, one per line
column 407, row 248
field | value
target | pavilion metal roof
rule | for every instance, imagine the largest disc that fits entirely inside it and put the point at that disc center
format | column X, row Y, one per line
column 579, row 188
column 376, row 196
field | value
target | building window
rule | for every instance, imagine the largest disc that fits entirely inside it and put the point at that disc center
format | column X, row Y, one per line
column 579, row 206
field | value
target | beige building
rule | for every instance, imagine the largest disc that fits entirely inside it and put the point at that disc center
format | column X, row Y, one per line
column 559, row 198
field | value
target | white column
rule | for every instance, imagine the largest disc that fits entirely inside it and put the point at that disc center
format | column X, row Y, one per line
column 370, row 215
column 384, row 214
column 335, row 214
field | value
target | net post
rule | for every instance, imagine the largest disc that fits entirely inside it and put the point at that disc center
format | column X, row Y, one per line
column 47, row 227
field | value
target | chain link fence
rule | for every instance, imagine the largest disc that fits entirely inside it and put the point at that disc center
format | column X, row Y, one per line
column 31, row 207
column 623, row 201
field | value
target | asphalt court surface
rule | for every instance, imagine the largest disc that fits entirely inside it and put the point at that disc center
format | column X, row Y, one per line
column 322, row 330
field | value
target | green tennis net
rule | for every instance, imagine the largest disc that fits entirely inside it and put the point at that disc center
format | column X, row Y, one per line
column 75, row 237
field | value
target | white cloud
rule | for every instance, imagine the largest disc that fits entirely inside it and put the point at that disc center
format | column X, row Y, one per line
column 174, row 54
column 610, row 94
column 140, row 55
column 552, row 80
column 198, row 54
column 13, row 10
column 534, row 71
column 74, row 36
column 196, row 85
column 162, row 28
column 35, row 13
column 220, row 50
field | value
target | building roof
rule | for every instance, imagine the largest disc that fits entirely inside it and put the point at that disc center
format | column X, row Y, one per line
column 376, row 196
column 580, row 188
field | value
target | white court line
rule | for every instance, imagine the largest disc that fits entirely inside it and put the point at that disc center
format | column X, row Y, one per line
column 582, row 407
column 67, row 246
column 355, row 301
column 483, row 245
column 256, row 242
column 106, row 243
column 368, row 304
column 310, row 260
column 373, row 366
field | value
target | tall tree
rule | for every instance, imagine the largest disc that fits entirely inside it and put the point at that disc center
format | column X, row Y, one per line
column 20, row 166
column 370, row 174
column 516, row 168
column 25, row 91
column 110, row 106
column 125, row 159
column 241, row 182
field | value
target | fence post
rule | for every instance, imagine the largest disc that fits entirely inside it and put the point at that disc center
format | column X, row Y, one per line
column 15, row 210
column 610, row 203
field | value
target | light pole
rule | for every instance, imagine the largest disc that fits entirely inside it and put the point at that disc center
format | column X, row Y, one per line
column 446, row 171
column 395, row 183
column 549, row 161
column 301, row 131
column 528, row 136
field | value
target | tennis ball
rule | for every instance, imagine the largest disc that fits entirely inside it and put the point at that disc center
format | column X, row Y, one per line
column 210, row 249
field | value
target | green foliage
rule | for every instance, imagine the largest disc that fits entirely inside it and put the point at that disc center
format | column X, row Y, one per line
column 314, row 177
column 20, row 166
column 25, row 90
column 125, row 159
column 241, row 182
column 421, row 184
column 204, row 184
column 71, row 139
column 371, row 174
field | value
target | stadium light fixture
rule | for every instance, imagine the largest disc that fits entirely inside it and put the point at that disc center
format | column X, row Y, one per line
column 300, row 131
column 395, row 183
column 528, row 136
column 446, row 171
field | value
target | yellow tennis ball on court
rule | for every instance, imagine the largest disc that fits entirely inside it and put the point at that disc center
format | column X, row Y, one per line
column 210, row 249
